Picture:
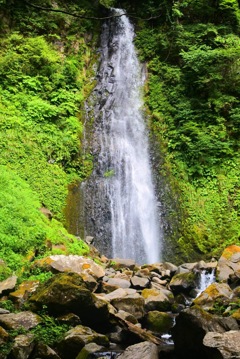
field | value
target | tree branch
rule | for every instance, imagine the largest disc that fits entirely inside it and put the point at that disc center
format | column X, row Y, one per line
column 87, row 17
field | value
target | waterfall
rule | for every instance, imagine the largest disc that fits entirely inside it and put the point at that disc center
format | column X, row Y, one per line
column 123, row 212
column 206, row 278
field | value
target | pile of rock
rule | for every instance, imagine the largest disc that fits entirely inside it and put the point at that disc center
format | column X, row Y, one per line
column 119, row 305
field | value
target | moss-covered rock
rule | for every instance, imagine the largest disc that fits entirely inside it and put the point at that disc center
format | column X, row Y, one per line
column 131, row 304
column 159, row 322
column 67, row 293
column 160, row 300
column 184, row 282
column 76, row 338
column 215, row 293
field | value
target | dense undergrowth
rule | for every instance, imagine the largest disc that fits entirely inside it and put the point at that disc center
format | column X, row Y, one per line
column 45, row 59
column 192, row 96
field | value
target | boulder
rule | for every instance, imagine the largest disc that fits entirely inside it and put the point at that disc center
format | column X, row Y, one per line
column 85, row 267
column 159, row 281
column 107, row 288
column 139, row 282
column 67, row 293
column 23, row 346
column 126, row 316
column 226, row 345
column 4, row 311
column 119, row 282
column 69, row 319
column 118, row 263
column 77, row 264
column 76, row 338
column 63, row 292
column 118, row 293
column 23, row 291
column 13, row 321
column 159, row 322
column 208, row 266
column 215, row 292
column 142, row 350
column 157, row 300
column 186, row 267
column 117, row 335
column 89, row 349
column 7, row 285
column 43, row 351
column 192, row 325
column 229, row 263
column 133, row 304
column 184, row 282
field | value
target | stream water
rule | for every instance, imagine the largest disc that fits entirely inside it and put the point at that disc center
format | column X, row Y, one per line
column 121, row 205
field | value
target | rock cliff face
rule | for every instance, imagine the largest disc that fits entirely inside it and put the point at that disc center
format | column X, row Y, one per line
column 106, row 308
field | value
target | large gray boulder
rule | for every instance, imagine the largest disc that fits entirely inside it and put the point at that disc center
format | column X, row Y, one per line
column 226, row 345
column 22, row 320
column 192, row 325
column 144, row 350
column 119, row 282
column 77, row 264
column 139, row 282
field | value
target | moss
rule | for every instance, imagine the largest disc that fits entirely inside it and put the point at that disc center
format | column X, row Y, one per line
column 229, row 251
column 159, row 322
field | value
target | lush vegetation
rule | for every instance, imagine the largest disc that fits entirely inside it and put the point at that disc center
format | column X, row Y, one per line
column 192, row 53
column 44, row 62
column 24, row 231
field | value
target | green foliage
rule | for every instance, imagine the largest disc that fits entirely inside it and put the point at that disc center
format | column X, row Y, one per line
column 21, row 223
column 8, row 305
column 37, row 275
column 58, row 235
column 24, row 229
column 107, row 3
column 49, row 331
column 192, row 95
column 40, row 127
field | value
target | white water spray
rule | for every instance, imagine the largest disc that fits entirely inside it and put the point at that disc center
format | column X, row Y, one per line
column 206, row 278
column 123, row 156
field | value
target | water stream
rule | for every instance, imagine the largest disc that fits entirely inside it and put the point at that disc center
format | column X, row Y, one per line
column 123, row 213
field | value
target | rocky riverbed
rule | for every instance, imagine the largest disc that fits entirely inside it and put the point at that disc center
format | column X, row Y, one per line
column 117, row 309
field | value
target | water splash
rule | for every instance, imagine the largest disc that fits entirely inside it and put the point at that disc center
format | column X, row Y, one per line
column 122, row 175
column 206, row 278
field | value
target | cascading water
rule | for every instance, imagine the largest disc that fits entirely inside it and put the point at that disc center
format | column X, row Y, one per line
column 206, row 278
column 123, row 206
